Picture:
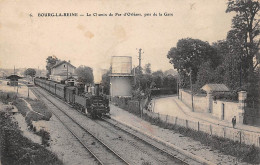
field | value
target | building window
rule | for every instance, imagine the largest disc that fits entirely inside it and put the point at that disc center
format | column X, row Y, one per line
column 64, row 66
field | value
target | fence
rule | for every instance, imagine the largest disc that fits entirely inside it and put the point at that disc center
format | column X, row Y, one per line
column 246, row 137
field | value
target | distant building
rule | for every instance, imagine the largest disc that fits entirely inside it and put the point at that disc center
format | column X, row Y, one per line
column 13, row 80
column 62, row 70
column 121, row 78
column 213, row 88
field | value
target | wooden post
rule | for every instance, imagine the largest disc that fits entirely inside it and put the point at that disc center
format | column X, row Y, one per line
column 28, row 92
column 240, row 137
column 198, row 126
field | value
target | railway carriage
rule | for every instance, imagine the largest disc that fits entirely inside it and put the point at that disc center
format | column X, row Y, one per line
column 60, row 91
column 52, row 87
column 92, row 102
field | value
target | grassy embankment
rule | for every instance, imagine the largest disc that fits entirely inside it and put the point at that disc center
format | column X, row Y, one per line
column 30, row 116
column 17, row 149
column 245, row 153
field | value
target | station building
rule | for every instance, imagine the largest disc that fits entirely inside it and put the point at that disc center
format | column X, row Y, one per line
column 62, row 70
column 13, row 80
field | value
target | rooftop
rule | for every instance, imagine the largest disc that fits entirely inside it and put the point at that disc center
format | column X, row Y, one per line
column 62, row 62
column 215, row 88
column 13, row 77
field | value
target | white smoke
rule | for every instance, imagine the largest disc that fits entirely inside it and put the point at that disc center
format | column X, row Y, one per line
column 98, row 72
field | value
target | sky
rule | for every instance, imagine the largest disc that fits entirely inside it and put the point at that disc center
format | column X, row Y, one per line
column 26, row 42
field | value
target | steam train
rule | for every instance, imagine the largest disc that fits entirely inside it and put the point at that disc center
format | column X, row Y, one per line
column 91, row 101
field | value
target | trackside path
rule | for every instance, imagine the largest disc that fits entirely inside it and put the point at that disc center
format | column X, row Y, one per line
column 172, row 139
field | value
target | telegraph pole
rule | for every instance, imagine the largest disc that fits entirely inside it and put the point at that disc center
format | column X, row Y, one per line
column 178, row 87
column 240, row 83
column 140, row 54
column 139, row 99
column 192, row 107
column 67, row 72
column 140, row 58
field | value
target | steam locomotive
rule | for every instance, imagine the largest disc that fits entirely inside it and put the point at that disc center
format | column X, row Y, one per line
column 91, row 101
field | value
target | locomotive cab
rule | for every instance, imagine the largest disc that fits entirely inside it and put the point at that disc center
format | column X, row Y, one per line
column 98, row 103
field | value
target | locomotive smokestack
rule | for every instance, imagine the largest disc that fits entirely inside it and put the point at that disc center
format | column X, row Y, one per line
column 97, row 89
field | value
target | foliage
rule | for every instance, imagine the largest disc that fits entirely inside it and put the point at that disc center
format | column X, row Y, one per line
column 30, row 71
column 205, row 74
column 40, row 107
column 16, row 149
column 106, row 82
column 6, row 97
column 188, row 55
column 85, row 74
column 245, row 25
column 50, row 62
column 227, row 96
column 233, row 62
column 147, row 68
column 155, row 80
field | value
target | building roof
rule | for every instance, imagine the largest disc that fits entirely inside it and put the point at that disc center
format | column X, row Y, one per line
column 62, row 62
column 215, row 88
column 65, row 74
column 12, row 77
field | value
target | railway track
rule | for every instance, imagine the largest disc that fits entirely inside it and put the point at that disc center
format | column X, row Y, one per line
column 100, row 151
column 164, row 155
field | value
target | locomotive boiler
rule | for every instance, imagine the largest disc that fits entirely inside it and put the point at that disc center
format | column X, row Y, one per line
column 91, row 101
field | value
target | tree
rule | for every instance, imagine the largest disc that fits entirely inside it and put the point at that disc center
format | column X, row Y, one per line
column 85, row 74
column 188, row 55
column 30, row 72
column 245, row 26
column 51, row 61
column 158, row 78
column 147, row 68
column 106, row 82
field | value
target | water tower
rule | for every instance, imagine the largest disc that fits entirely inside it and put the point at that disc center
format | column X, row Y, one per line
column 121, row 77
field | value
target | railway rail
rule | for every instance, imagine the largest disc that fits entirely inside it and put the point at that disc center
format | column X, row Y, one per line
column 100, row 151
column 164, row 154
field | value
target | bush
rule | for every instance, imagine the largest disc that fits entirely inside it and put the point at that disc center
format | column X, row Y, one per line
column 227, row 96
column 6, row 97
column 17, row 149
column 41, row 108
column 45, row 137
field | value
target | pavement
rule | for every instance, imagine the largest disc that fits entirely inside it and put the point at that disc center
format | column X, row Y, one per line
column 172, row 106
